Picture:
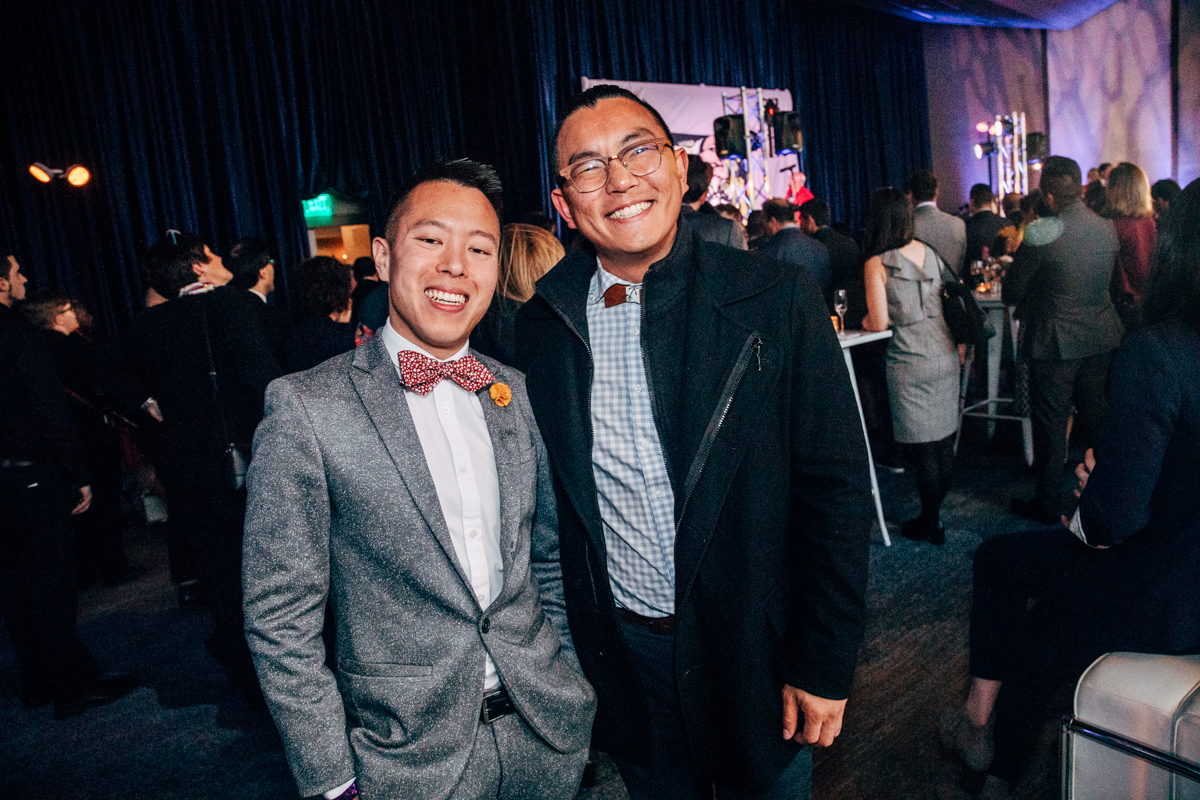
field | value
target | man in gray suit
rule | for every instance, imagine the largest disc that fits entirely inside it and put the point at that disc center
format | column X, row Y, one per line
column 790, row 244
column 945, row 233
column 709, row 225
column 405, row 484
column 1059, row 283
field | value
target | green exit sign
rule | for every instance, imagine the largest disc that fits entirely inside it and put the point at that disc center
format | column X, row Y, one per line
column 319, row 206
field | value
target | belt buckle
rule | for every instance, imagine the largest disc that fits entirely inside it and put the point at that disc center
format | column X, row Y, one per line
column 483, row 713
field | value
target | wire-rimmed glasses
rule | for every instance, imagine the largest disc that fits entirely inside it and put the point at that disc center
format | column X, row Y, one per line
column 640, row 158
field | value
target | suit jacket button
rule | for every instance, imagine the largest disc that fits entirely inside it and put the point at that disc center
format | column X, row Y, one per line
column 486, row 625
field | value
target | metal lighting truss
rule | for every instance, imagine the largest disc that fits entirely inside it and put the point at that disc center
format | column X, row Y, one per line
column 1011, row 162
column 748, row 177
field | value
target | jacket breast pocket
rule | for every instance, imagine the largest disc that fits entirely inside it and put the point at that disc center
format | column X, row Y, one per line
column 383, row 670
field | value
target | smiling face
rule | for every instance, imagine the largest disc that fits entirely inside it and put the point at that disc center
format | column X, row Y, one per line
column 631, row 220
column 441, row 266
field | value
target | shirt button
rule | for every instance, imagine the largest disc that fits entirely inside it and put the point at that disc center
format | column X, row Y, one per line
column 463, row 469
column 446, row 410
column 473, row 533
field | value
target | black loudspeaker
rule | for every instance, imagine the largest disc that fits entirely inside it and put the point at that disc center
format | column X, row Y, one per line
column 1037, row 146
column 730, row 135
column 788, row 138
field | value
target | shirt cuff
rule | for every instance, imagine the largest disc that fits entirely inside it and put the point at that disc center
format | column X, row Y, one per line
column 333, row 794
column 1077, row 528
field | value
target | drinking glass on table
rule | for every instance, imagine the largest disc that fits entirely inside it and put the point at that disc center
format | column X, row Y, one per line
column 839, row 305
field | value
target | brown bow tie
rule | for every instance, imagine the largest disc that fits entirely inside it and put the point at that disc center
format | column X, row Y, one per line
column 620, row 293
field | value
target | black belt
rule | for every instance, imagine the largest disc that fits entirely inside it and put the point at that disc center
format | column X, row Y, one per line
column 496, row 705
column 664, row 626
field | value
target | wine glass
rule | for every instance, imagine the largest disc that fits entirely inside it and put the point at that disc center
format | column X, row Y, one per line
column 839, row 305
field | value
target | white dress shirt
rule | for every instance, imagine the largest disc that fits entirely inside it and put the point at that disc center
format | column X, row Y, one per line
column 458, row 451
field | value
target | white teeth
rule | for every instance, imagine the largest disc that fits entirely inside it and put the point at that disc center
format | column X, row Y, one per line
column 445, row 297
column 630, row 211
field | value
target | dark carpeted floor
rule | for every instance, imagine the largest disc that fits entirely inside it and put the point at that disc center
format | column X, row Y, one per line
column 188, row 734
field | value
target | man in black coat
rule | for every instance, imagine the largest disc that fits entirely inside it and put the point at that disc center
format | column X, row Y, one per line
column 711, row 477
column 171, row 349
column 43, row 479
column 845, row 258
column 983, row 226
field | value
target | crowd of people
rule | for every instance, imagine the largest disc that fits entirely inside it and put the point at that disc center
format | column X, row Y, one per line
column 483, row 503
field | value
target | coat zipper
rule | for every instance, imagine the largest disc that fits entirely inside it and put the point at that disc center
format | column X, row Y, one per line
column 753, row 345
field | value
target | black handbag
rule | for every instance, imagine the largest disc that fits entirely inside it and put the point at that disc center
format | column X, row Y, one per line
column 967, row 322
column 234, row 462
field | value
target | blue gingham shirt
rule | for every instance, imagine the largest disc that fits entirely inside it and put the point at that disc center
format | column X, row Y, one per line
column 637, row 505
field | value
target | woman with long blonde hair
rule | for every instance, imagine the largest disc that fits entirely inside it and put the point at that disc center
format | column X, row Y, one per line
column 1131, row 209
column 527, row 252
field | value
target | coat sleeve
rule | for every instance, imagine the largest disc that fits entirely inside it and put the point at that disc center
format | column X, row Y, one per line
column 832, row 513
column 285, row 577
column 1145, row 396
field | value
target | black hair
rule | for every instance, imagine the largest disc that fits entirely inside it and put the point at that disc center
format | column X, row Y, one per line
column 923, row 186
column 247, row 257
column 463, row 172
column 1174, row 287
column 364, row 267
column 817, row 209
column 779, row 210
column 320, row 286
column 889, row 221
column 1166, row 190
column 699, row 176
column 167, row 265
column 1062, row 180
column 590, row 99
column 981, row 195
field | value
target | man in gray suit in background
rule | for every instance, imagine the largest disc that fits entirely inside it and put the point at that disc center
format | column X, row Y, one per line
column 708, row 224
column 945, row 233
column 405, row 484
column 1059, row 283
column 792, row 245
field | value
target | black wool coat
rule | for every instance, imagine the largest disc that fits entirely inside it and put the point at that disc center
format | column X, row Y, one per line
column 756, row 414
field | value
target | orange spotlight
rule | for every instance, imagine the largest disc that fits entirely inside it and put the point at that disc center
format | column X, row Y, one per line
column 78, row 175
column 41, row 172
column 995, row 130
column 982, row 127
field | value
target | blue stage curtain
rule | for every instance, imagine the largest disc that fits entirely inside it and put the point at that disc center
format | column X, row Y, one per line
column 218, row 116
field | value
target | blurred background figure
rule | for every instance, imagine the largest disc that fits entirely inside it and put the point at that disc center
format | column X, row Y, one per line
column 253, row 270
column 1131, row 210
column 321, row 300
column 1163, row 193
column 527, row 252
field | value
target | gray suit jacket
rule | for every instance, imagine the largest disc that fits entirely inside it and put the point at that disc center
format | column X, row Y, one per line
column 1059, row 283
column 342, row 507
column 794, row 246
column 715, row 228
column 945, row 233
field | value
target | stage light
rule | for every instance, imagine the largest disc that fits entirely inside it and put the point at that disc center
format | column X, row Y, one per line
column 985, row 149
column 78, row 175
column 1037, row 146
column 42, row 172
column 982, row 127
column 995, row 129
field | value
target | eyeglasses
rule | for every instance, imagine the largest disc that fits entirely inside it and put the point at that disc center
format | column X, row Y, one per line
column 640, row 158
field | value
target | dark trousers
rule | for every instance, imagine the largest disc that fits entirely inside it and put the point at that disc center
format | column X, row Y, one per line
column 1033, row 650
column 210, row 520
column 37, row 582
column 1053, row 386
column 670, row 776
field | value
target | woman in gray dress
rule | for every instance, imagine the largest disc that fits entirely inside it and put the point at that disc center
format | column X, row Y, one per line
column 903, row 282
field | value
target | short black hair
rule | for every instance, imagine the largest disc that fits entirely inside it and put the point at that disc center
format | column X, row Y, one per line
column 818, row 209
column 320, row 286
column 923, row 186
column 590, row 99
column 167, row 265
column 364, row 267
column 889, row 221
column 981, row 195
column 1166, row 190
column 1174, row 286
column 779, row 210
column 461, row 171
column 1062, row 179
column 247, row 257
column 699, row 176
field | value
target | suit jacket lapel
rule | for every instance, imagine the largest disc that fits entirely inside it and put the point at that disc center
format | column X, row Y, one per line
column 378, row 386
column 508, row 445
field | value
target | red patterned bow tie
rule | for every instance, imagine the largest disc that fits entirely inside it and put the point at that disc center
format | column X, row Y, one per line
column 421, row 373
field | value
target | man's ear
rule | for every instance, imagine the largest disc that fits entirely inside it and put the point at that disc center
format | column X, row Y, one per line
column 380, row 254
column 564, row 208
